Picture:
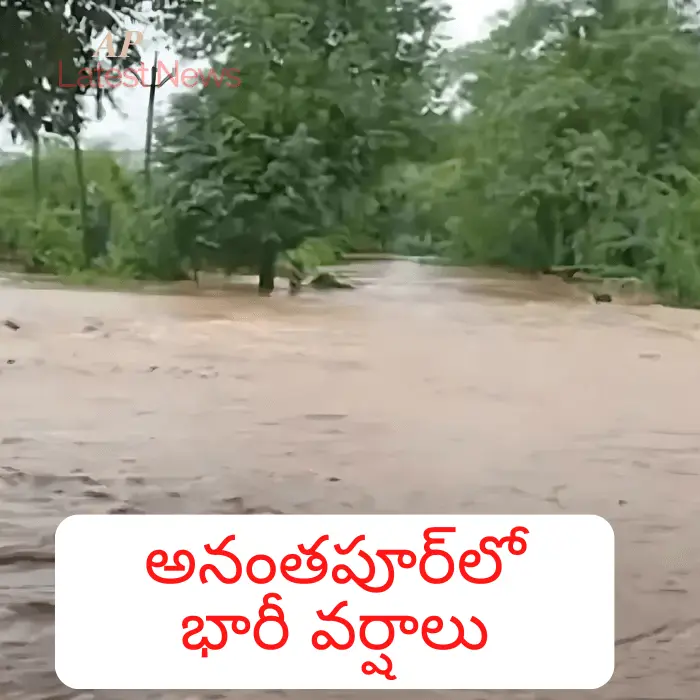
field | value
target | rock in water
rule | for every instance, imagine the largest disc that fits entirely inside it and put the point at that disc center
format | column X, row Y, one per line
column 326, row 280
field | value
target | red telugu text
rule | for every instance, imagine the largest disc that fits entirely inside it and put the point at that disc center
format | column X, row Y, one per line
column 262, row 569
column 310, row 565
column 194, row 638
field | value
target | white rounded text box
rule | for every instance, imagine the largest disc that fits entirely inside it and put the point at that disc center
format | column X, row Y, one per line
column 513, row 602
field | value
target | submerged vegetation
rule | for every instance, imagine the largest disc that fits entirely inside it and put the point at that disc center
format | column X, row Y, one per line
column 571, row 139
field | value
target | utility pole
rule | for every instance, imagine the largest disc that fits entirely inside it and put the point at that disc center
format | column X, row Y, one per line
column 149, row 122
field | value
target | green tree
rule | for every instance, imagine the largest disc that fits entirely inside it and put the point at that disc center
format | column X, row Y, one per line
column 331, row 94
column 579, row 146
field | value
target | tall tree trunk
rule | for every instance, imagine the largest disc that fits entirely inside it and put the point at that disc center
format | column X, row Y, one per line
column 36, row 179
column 36, row 263
column 88, row 246
column 266, row 269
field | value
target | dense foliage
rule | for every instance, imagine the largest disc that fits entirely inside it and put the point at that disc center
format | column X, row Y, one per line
column 132, row 237
column 574, row 142
column 581, row 144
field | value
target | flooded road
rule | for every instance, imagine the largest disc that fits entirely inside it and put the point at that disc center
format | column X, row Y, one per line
column 423, row 391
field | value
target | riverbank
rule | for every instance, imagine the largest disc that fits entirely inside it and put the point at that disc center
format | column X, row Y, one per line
column 621, row 290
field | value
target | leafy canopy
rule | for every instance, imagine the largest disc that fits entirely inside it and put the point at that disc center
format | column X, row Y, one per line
column 332, row 93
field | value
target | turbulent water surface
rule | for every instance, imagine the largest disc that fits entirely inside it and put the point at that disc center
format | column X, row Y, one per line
column 423, row 391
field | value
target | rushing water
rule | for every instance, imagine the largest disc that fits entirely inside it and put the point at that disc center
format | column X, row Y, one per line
column 422, row 391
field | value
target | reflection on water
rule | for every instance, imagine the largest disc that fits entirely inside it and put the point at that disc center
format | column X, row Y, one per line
column 450, row 391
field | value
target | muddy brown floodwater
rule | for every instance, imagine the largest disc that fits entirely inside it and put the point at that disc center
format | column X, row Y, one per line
column 423, row 391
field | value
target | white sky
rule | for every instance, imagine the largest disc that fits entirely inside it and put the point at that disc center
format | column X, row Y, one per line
column 470, row 21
